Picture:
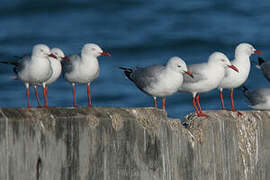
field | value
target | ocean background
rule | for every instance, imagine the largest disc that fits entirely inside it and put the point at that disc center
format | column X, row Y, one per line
column 136, row 33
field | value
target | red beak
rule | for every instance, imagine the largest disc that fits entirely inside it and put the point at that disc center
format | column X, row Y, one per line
column 105, row 54
column 257, row 52
column 233, row 67
column 52, row 55
column 189, row 73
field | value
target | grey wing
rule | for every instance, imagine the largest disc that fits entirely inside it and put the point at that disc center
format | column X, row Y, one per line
column 68, row 66
column 265, row 67
column 197, row 72
column 257, row 96
column 144, row 77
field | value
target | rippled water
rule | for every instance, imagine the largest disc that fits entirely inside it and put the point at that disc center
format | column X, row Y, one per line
column 136, row 33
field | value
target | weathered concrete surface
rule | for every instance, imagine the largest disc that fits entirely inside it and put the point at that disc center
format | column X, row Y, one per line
column 132, row 143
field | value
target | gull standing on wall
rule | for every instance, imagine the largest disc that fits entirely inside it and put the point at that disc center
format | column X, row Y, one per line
column 34, row 70
column 234, row 79
column 207, row 76
column 159, row 80
column 56, row 68
column 83, row 69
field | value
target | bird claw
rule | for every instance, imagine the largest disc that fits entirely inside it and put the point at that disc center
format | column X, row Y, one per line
column 201, row 114
column 238, row 112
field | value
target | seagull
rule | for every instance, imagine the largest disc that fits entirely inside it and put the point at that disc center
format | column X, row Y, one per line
column 234, row 79
column 34, row 70
column 207, row 76
column 83, row 69
column 258, row 98
column 56, row 68
column 264, row 66
column 159, row 80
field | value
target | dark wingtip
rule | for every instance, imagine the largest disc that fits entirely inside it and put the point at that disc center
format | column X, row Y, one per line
column 127, row 72
column 11, row 63
column 260, row 61
column 244, row 89
column 123, row 68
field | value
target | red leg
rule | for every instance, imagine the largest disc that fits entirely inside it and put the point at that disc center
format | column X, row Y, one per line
column 155, row 102
column 45, row 97
column 36, row 94
column 195, row 106
column 200, row 109
column 233, row 109
column 28, row 97
column 163, row 103
column 89, row 97
column 221, row 99
column 74, row 95
column 46, row 89
column 197, row 100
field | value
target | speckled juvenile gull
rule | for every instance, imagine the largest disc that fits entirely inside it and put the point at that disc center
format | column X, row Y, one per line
column 234, row 79
column 159, row 80
column 207, row 76
column 83, row 69
column 258, row 98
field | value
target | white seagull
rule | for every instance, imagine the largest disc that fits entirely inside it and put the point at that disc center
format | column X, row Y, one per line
column 34, row 70
column 83, row 69
column 207, row 76
column 159, row 80
column 234, row 79
column 56, row 68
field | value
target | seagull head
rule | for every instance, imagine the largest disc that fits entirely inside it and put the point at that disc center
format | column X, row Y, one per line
column 94, row 50
column 59, row 54
column 221, row 59
column 177, row 64
column 42, row 50
column 245, row 49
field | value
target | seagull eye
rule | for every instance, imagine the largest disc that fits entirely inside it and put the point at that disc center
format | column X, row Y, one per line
column 178, row 66
column 223, row 60
column 93, row 49
column 41, row 50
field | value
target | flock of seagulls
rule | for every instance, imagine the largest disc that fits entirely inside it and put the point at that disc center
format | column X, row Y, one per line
column 45, row 65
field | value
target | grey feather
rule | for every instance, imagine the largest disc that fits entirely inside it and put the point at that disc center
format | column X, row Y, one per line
column 144, row 77
column 67, row 66
column 197, row 76
column 265, row 67
column 257, row 96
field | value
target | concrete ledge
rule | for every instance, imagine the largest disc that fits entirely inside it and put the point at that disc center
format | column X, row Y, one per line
column 132, row 143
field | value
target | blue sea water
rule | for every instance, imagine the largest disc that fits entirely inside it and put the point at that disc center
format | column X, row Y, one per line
column 136, row 33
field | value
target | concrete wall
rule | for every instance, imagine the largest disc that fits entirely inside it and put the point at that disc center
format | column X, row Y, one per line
column 133, row 143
